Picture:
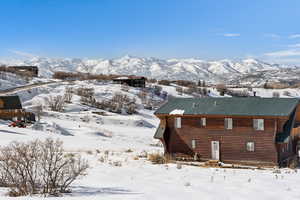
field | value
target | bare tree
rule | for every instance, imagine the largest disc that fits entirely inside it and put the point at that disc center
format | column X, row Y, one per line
column 39, row 167
column 68, row 95
column 179, row 90
column 276, row 94
column 56, row 103
column 222, row 89
column 39, row 111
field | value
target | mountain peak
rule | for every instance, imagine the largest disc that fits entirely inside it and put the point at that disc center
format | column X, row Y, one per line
column 174, row 69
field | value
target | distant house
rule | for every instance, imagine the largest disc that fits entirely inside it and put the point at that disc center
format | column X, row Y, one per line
column 11, row 109
column 254, row 131
column 31, row 70
column 133, row 81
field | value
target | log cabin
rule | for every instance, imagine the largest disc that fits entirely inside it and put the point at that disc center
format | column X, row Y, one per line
column 10, row 107
column 252, row 131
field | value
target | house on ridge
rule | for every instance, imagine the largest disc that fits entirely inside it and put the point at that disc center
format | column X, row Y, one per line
column 253, row 131
column 133, row 81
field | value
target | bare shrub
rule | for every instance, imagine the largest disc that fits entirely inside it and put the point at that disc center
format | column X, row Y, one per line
column 204, row 91
column 275, row 85
column 82, row 76
column 156, row 158
column 164, row 82
column 185, row 83
column 222, row 89
column 38, row 110
column 56, row 103
column 157, row 90
column 276, row 94
column 143, row 96
column 286, row 93
column 151, row 80
column 191, row 90
column 87, row 96
column 68, row 95
column 179, row 90
column 39, row 167
column 120, row 103
column 129, row 151
column 237, row 93
column 179, row 166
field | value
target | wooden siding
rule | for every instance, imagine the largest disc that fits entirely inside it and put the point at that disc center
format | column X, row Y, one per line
column 297, row 117
column 232, row 142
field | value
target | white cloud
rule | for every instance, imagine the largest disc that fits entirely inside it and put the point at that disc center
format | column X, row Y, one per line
column 284, row 53
column 288, row 61
column 294, row 45
column 272, row 35
column 231, row 34
column 294, row 36
column 23, row 54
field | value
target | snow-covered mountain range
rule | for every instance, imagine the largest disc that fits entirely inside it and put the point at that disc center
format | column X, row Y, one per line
column 173, row 69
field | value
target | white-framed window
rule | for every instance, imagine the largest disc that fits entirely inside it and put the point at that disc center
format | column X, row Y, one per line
column 177, row 122
column 228, row 123
column 258, row 124
column 193, row 144
column 203, row 121
column 250, row 146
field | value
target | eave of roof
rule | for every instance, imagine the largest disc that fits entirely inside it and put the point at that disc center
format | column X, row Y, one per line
column 271, row 107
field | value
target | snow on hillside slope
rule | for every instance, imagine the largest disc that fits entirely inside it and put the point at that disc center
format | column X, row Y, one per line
column 109, row 138
column 9, row 80
column 173, row 69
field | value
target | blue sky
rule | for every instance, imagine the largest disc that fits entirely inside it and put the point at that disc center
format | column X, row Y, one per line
column 206, row 29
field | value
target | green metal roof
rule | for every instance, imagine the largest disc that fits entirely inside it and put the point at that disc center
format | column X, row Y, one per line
column 231, row 106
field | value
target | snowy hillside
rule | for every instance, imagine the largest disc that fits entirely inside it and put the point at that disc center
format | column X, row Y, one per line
column 116, row 146
column 173, row 69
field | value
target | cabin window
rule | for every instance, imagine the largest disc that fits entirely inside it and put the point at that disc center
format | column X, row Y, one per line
column 250, row 146
column 258, row 124
column 193, row 144
column 228, row 123
column 203, row 121
column 177, row 122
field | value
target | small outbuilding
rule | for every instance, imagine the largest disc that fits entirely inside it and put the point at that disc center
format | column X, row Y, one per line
column 28, row 70
column 133, row 81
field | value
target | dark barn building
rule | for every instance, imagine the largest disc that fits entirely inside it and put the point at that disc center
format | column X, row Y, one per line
column 254, row 131
column 30, row 70
column 133, row 81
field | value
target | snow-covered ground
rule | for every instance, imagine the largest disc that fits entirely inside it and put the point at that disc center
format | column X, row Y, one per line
column 110, row 138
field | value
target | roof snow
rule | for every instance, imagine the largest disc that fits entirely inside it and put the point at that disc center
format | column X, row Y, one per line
column 177, row 112
column 123, row 77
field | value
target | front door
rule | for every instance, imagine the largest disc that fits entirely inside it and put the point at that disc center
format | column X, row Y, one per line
column 215, row 150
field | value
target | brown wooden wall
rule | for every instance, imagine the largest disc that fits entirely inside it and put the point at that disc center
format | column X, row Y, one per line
column 232, row 142
column 9, row 114
column 297, row 117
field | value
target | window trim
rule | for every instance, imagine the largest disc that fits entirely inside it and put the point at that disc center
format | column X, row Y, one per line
column 256, row 124
column 193, row 143
column 178, row 122
column 227, row 125
column 203, row 121
column 250, row 149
